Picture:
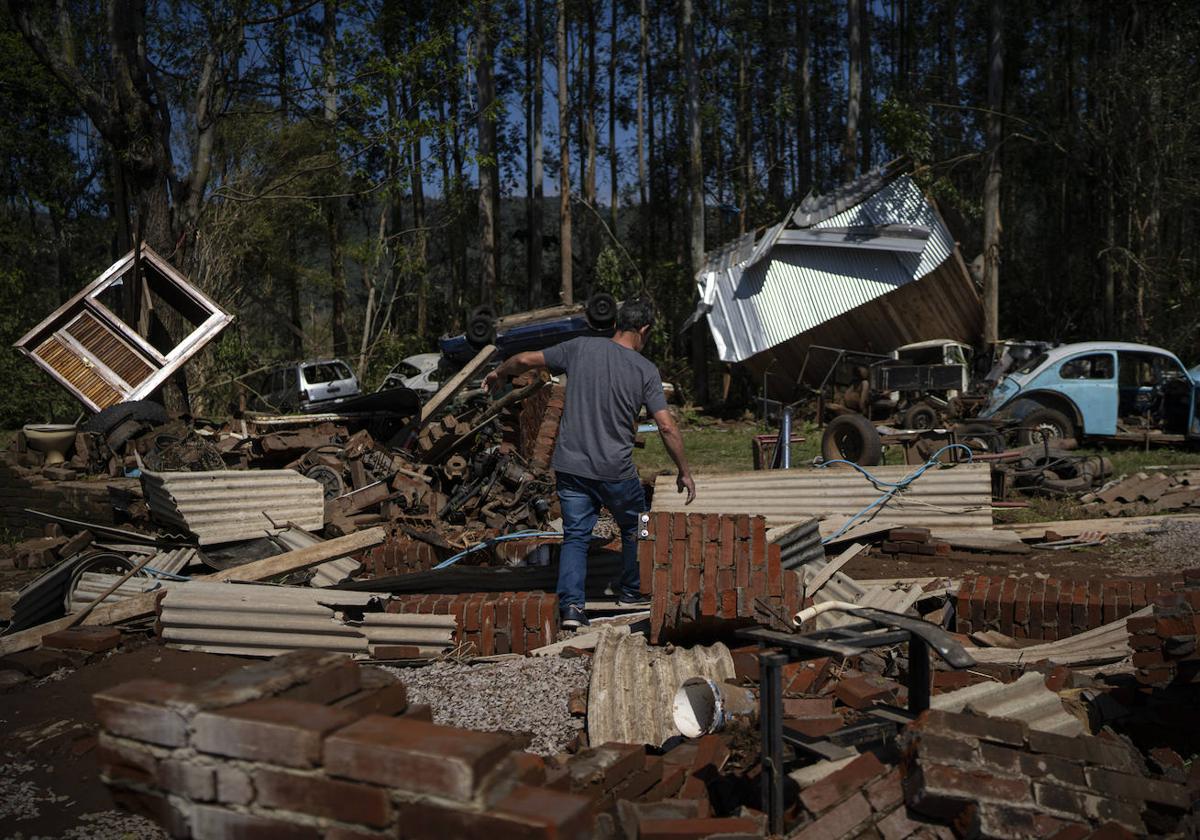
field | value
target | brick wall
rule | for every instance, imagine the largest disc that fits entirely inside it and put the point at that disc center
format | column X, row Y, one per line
column 310, row 746
column 997, row 778
column 20, row 489
column 491, row 622
column 539, row 425
column 710, row 566
column 1050, row 608
column 401, row 554
column 1164, row 642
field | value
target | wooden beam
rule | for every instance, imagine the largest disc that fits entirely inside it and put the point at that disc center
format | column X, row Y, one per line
column 446, row 393
column 829, row 569
column 138, row 606
column 302, row 558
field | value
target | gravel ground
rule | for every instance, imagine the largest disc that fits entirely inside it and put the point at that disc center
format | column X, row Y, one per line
column 520, row 695
column 106, row 825
column 1173, row 547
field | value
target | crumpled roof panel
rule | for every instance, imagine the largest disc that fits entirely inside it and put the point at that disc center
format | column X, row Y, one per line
column 758, row 304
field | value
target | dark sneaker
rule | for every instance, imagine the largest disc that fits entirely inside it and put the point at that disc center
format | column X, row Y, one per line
column 633, row 599
column 574, row 617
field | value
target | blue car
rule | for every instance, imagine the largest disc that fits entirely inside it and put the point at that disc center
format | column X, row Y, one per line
column 535, row 330
column 1107, row 390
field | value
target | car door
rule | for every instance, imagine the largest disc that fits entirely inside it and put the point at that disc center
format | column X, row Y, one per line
column 1090, row 381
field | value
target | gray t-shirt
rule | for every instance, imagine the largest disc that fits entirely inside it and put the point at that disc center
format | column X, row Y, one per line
column 607, row 385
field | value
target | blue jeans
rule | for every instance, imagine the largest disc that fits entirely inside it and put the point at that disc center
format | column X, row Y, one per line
column 580, row 499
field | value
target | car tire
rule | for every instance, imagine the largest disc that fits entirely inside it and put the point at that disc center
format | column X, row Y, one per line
column 481, row 327
column 921, row 416
column 144, row 411
column 980, row 437
column 601, row 310
column 852, row 437
column 1042, row 424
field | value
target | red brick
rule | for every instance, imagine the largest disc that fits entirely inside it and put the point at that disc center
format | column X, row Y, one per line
column 774, row 569
column 526, row 813
column 1095, row 603
column 335, row 683
column 840, row 821
column 138, row 710
column 992, row 606
column 839, row 784
column 233, row 784
column 975, row 726
column 678, row 565
column 549, row 618
column 321, row 797
column 691, row 582
column 742, row 525
column 662, row 540
column 90, row 639
column 816, row 726
column 741, row 564
column 416, row 757
column 695, row 536
column 807, row 706
column 728, row 542
column 1020, row 616
column 864, row 692
column 125, row 761
column 153, row 806
column 188, row 779
column 693, row 829
column 805, row 677
column 885, row 793
column 645, row 564
column 1137, row 788
column 214, row 823
column 1008, row 595
column 937, row 790
column 758, row 542
column 286, row 732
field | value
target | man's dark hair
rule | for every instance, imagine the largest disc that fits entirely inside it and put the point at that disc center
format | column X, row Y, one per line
column 635, row 314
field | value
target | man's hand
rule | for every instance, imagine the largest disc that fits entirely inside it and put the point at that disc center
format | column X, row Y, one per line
column 684, row 482
column 491, row 381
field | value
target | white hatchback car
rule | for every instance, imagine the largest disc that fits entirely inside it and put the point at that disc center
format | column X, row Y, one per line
column 421, row 373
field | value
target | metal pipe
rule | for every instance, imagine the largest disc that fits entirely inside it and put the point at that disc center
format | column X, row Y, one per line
column 703, row 706
column 785, row 438
column 257, row 638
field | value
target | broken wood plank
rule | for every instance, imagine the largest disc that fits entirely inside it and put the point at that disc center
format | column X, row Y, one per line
column 446, row 393
column 829, row 569
column 302, row 558
column 138, row 606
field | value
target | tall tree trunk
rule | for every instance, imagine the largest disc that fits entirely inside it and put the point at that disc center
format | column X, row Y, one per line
column 589, row 114
column 643, row 68
column 864, row 120
column 743, row 125
column 290, row 276
column 991, row 186
column 567, row 292
column 804, row 97
column 954, row 118
column 420, row 236
column 533, row 186
column 333, row 210
column 695, row 195
column 612, row 119
column 770, row 90
column 489, row 185
column 653, row 158
column 458, row 247
column 850, row 144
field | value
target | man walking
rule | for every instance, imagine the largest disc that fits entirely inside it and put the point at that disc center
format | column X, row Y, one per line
column 608, row 382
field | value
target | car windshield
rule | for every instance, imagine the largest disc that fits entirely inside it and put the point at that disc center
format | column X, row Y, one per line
column 405, row 369
column 1032, row 365
column 325, row 372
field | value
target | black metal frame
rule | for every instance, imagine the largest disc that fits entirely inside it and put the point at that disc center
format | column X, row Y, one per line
column 879, row 628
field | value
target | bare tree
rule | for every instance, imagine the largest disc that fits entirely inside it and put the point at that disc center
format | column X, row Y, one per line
column 643, row 49
column 804, row 96
column 333, row 205
column 533, row 188
column 991, row 184
column 612, row 118
column 567, row 292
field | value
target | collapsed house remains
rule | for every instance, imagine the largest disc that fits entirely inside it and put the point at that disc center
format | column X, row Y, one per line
column 826, row 652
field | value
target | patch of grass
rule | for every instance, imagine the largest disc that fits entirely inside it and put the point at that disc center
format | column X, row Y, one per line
column 1127, row 460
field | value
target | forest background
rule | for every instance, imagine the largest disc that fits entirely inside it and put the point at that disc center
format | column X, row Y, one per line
column 351, row 177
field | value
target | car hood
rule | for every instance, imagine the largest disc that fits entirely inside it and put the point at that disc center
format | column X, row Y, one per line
column 1007, row 388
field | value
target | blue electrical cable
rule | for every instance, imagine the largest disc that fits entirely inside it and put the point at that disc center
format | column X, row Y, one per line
column 893, row 487
column 488, row 543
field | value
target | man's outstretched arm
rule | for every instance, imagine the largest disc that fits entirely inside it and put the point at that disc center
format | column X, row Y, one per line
column 514, row 365
column 673, row 441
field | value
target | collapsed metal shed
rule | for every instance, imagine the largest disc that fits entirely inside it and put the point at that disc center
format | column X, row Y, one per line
column 868, row 267
column 109, row 343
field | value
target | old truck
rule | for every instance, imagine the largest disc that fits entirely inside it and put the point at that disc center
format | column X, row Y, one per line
column 1105, row 390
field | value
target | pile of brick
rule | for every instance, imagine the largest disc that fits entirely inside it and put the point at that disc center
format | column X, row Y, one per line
column 539, row 422
column 1049, row 608
column 999, row 778
column 1164, row 642
column 710, row 566
column 310, row 746
column 490, row 623
column 1143, row 494
column 913, row 545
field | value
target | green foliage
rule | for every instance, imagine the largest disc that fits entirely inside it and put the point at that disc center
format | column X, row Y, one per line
column 30, row 396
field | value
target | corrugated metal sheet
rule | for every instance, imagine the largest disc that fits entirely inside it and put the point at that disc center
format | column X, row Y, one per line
column 633, row 686
column 231, row 505
column 895, row 597
column 799, row 544
column 958, row 497
column 757, row 305
column 1026, row 700
column 259, row 620
column 91, row 585
column 174, row 561
column 1103, row 645
column 327, row 574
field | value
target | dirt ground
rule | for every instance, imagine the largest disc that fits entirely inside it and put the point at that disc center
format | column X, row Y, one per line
column 49, row 785
column 1174, row 547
